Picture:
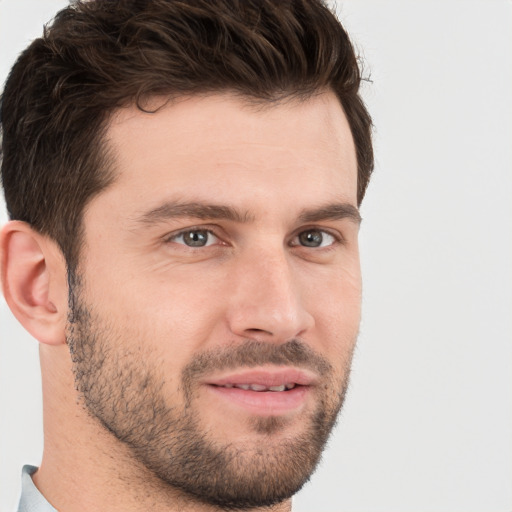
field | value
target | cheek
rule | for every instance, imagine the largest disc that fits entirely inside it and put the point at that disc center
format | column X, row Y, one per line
column 166, row 316
column 337, row 311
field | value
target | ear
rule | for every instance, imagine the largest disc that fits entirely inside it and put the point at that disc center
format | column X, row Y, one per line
column 33, row 275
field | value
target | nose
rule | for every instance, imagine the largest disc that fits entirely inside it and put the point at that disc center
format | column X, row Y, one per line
column 267, row 300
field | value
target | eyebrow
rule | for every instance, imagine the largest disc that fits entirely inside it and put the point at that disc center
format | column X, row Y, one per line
column 176, row 209
column 332, row 211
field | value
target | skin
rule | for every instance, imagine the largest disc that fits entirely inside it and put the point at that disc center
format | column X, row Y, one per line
column 159, row 304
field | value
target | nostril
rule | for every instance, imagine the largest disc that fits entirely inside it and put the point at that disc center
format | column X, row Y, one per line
column 259, row 331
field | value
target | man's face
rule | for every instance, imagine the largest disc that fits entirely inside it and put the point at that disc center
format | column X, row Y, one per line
column 219, row 296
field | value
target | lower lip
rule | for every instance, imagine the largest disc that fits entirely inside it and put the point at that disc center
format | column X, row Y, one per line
column 264, row 403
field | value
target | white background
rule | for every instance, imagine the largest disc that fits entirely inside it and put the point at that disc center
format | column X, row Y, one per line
column 427, row 426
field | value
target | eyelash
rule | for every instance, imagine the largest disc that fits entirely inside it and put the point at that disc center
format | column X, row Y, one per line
column 337, row 237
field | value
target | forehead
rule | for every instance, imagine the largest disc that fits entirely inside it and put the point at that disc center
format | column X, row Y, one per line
column 223, row 145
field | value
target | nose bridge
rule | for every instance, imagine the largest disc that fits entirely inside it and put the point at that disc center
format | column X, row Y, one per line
column 268, row 300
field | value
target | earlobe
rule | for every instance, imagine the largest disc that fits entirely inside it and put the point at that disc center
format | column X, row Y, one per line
column 33, row 282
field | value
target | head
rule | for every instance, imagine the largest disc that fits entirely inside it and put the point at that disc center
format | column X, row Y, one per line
column 199, row 167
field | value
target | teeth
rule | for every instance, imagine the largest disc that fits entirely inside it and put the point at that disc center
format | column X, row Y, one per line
column 260, row 387
column 282, row 387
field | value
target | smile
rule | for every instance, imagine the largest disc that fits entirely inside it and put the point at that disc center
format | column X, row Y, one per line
column 264, row 391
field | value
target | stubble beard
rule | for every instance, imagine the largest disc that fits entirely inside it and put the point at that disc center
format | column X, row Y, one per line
column 126, row 395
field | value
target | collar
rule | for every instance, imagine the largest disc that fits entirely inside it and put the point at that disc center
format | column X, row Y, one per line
column 31, row 499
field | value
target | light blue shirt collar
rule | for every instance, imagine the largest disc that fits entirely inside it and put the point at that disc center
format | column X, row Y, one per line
column 31, row 499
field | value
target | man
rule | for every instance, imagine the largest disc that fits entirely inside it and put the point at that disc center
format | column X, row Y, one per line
column 183, row 180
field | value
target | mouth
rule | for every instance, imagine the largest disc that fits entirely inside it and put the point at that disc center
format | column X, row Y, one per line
column 261, row 387
column 264, row 391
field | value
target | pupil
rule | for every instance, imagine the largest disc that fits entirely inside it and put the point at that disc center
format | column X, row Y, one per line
column 311, row 238
column 196, row 238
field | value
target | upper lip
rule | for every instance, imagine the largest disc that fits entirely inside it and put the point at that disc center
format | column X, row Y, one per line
column 265, row 377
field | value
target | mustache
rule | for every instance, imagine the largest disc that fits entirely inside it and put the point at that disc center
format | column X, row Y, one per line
column 255, row 353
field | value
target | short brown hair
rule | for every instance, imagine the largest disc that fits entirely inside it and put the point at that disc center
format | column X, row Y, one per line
column 100, row 55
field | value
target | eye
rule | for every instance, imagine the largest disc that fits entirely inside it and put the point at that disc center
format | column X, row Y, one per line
column 195, row 238
column 314, row 238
